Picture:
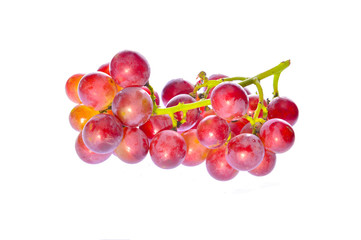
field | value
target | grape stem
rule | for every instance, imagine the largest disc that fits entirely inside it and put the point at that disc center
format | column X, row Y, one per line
column 276, row 71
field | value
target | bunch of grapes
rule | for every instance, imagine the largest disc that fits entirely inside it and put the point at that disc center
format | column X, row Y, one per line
column 216, row 121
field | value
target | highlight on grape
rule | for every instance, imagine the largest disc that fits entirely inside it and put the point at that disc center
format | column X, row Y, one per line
column 216, row 121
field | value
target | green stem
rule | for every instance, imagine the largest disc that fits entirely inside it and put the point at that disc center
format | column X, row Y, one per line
column 276, row 77
column 260, row 99
column 152, row 96
column 212, row 83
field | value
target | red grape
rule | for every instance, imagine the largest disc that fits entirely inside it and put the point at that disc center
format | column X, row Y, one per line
column 155, row 94
column 134, row 146
column 229, row 101
column 283, row 108
column 86, row 154
column 213, row 131
column 196, row 152
column 217, row 165
column 97, row 90
column 277, row 135
column 104, row 68
column 168, row 149
column 129, row 68
column 155, row 124
column 133, row 106
column 245, row 152
column 103, row 133
column 71, row 87
column 191, row 116
column 236, row 126
column 80, row 115
column 266, row 166
column 253, row 104
column 175, row 87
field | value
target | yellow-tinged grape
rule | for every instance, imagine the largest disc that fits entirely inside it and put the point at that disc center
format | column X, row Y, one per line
column 80, row 115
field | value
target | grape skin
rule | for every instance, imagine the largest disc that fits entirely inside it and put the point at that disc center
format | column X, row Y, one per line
column 97, row 90
column 245, row 152
column 213, row 131
column 277, row 135
column 133, row 106
column 175, row 87
column 102, row 133
column 155, row 124
column 168, row 149
column 134, row 146
column 129, row 68
column 196, row 152
column 266, row 166
column 80, row 115
column 71, row 87
column 217, row 165
column 229, row 101
column 86, row 154
column 283, row 108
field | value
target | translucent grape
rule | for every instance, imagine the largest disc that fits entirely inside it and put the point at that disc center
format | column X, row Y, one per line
column 133, row 106
column 283, row 108
column 129, row 68
column 175, row 87
column 213, row 131
column 229, row 101
column 196, row 152
column 245, row 152
column 266, row 166
column 97, row 90
column 102, row 133
column 86, row 154
column 155, row 124
column 217, row 165
column 168, row 149
column 277, row 135
column 134, row 146
column 71, row 87
column 80, row 115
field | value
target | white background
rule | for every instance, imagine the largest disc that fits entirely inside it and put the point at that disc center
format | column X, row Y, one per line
column 48, row 193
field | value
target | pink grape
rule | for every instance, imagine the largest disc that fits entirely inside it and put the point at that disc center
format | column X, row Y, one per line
column 168, row 149
column 213, row 131
column 102, row 133
column 155, row 124
column 217, row 165
column 191, row 116
column 97, row 90
column 266, row 166
column 129, row 68
column 229, row 101
column 133, row 106
column 236, row 126
column 175, row 87
column 134, row 146
column 277, row 135
column 80, row 115
column 245, row 152
column 86, row 154
column 71, row 87
column 104, row 68
column 196, row 152
column 283, row 108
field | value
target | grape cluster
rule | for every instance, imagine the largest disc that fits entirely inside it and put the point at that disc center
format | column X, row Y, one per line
column 216, row 121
